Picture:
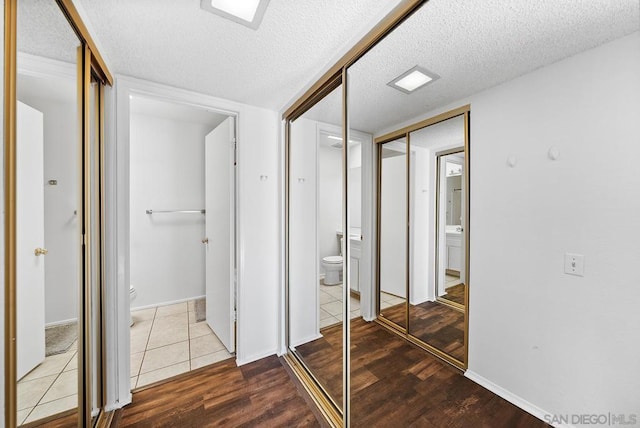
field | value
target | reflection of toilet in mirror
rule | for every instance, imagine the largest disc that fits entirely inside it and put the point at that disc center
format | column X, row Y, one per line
column 332, row 270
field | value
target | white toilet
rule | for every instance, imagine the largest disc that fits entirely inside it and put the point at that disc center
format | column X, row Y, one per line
column 333, row 270
column 132, row 296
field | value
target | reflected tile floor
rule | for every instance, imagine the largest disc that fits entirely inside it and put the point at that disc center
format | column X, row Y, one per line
column 388, row 300
column 167, row 341
column 331, row 305
column 452, row 280
column 50, row 388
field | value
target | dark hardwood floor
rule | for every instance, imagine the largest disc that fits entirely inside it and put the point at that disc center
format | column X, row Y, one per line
column 396, row 314
column 440, row 326
column 324, row 357
column 394, row 383
column 256, row 394
column 455, row 294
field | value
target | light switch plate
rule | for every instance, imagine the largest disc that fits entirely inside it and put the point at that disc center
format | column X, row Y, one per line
column 574, row 264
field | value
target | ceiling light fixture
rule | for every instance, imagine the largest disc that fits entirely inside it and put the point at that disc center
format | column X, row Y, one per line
column 413, row 79
column 333, row 137
column 246, row 12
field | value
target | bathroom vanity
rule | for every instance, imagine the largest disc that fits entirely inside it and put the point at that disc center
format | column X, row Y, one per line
column 355, row 238
column 454, row 259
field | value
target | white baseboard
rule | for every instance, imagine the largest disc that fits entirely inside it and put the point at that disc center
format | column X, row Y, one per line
column 119, row 404
column 255, row 357
column 308, row 339
column 173, row 302
column 513, row 399
column 63, row 322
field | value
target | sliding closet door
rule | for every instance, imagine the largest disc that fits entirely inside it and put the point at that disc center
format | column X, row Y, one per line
column 48, row 203
column 316, row 287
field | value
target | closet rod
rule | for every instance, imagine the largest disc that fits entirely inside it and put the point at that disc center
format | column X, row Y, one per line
column 175, row 211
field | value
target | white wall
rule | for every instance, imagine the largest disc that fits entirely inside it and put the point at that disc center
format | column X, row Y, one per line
column 548, row 341
column 303, row 233
column 60, row 203
column 166, row 173
column 393, row 225
column 258, row 225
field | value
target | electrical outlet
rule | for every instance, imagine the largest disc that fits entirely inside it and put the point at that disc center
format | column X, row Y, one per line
column 574, row 264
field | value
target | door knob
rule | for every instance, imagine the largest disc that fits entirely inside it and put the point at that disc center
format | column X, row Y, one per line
column 205, row 241
column 41, row 252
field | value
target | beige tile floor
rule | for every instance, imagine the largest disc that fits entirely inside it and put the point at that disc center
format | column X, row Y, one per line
column 387, row 300
column 451, row 280
column 50, row 388
column 331, row 305
column 167, row 341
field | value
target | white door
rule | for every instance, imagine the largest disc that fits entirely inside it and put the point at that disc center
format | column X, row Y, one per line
column 220, row 231
column 29, row 236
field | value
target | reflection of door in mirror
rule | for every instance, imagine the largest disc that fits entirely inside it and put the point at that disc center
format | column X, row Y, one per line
column 48, row 212
column 392, row 212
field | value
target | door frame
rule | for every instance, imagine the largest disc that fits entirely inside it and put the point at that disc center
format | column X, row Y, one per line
column 117, row 216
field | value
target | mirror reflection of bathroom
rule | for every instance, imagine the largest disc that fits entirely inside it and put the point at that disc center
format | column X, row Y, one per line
column 48, row 213
column 451, row 255
column 393, row 232
column 182, row 239
column 330, row 229
column 316, row 304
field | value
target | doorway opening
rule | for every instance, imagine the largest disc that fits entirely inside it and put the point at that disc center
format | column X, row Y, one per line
column 182, row 212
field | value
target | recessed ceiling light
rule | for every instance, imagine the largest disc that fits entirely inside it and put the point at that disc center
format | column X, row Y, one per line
column 413, row 79
column 246, row 12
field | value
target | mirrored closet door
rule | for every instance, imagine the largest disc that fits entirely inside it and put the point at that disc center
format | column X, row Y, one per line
column 438, row 286
column 54, row 262
column 316, row 287
column 49, row 213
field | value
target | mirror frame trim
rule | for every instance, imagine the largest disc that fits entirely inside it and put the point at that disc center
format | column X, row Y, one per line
column 377, row 33
column 75, row 20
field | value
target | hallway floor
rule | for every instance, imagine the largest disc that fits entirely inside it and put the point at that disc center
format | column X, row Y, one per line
column 167, row 341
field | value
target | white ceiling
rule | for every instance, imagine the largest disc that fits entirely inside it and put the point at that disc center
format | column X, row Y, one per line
column 175, row 111
column 473, row 45
column 179, row 44
column 449, row 133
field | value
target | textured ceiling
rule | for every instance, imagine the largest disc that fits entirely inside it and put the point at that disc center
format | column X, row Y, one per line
column 44, row 31
column 179, row 44
column 449, row 133
column 474, row 45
